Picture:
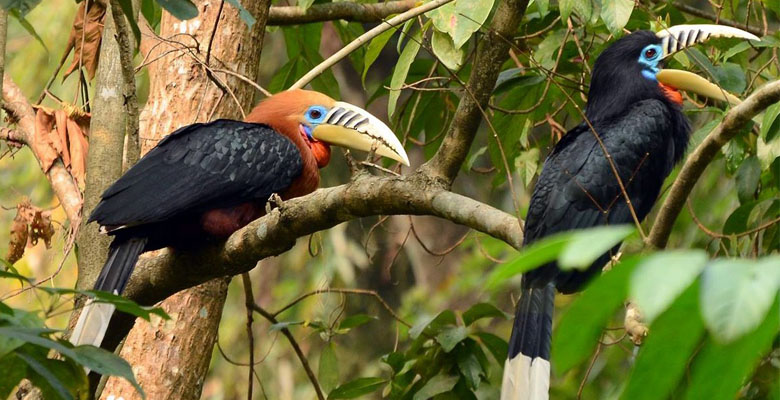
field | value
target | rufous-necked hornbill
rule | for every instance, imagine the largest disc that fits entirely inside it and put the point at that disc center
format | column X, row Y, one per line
column 207, row 180
column 634, row 109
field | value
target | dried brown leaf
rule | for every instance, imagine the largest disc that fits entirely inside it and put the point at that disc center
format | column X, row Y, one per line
column 41, row 228
column 41, row 142
column 78, row 151
column 19, row 231
column 62, row 132
column 85, row 38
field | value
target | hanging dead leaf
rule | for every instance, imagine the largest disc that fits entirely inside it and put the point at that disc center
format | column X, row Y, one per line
column 85, row 37
column 42, row 139
column 19, row 231
column 78, row 151
column 62, row 132
column 41, row 228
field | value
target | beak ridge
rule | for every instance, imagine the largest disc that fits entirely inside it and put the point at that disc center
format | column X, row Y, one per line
column 350, row 126
column 678, row 37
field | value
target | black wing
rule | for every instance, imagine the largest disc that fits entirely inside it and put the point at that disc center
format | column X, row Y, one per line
column 578, row 189
column 201, row 167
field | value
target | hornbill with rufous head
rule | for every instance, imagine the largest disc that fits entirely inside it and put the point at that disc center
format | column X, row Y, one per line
column 634, row 110
column 207, row 180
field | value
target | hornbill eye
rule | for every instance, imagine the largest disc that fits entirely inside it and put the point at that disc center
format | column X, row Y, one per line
column 650, row 53
column 315, row 114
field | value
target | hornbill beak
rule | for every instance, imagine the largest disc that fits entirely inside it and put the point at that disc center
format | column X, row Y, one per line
column 350, row 126
column 676, row 38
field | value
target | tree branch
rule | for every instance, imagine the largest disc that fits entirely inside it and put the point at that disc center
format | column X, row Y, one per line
column 701, row 157
column 62, row 182
column 492, row 51
column 159, row 276
column 294, row 15
column 365, row 38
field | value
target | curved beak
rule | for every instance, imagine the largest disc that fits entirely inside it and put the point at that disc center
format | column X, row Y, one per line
column 352, row 127
column 678, row 37
column 688, row 81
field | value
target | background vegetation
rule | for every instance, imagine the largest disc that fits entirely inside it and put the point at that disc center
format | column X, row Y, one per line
column 427, row 304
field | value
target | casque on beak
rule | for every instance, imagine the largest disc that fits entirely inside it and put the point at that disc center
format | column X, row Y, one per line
column 676, row 38
column 350, row 126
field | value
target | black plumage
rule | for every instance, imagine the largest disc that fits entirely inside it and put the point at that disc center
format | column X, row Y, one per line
column 201, row 167
column 645, row 133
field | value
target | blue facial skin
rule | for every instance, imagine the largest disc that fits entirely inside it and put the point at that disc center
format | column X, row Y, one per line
column 649, row 58
column 314, row 116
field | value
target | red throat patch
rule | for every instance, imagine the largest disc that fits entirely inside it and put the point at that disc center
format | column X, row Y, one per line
column 671, row 93
column 321, row 151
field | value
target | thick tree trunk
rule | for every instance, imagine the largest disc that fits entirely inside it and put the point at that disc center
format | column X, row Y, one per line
column 170, row 358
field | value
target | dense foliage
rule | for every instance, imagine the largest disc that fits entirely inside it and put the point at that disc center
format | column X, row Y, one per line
column 434, row 307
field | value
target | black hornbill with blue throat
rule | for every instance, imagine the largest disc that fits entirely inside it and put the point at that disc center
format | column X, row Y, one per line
column 634, row 110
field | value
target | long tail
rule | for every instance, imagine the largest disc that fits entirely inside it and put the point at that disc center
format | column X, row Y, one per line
column 94, row 318
column 527, row 368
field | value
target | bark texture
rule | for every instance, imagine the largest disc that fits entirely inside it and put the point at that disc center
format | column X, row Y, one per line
column 171, row 358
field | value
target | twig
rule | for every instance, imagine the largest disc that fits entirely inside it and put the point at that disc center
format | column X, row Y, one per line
column 364, row 38
column 718, row 235
column 362, row 292
column 304, row 361
column 701, row 157
column 249, row 300
column 590, row 368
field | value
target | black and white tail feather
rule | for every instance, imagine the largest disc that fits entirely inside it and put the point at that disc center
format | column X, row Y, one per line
column 527, row 368
column 93, row 321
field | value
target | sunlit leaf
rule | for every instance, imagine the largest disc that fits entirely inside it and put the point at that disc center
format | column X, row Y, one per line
column 356, row 388
column 665, row 353
column 661, row 277
column 579, row 328
column 616, row 14
column 328, row 370
column 736, row 295
column 460, row 19
column 373, row 50
column 438, row 384
column 446, row 51
column 589, row 244
column 535, row 255
column 401, row 70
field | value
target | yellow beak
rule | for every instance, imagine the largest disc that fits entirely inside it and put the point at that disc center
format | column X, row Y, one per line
column 691, row 82
column 352, row 127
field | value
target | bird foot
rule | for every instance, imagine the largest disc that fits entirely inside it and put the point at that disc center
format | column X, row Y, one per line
column 274, row 200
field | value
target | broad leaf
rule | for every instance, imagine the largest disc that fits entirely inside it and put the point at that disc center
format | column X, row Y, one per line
column 450, row 337
column 446, row 52
column 535, row 255
column 401, row 70
column 482, row 310
column 736, row 295
column 616, row 13
column 589, row 244
column 373, row 50
column 438, row 384
column 357, row 388
column 661, row 277
column 460, row 19
column 328, row 370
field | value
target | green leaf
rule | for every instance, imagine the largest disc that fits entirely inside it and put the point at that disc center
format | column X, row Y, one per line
column 450, row 337
column 432, row 325
column 373, row 50
column 13, row 372
column 535, row 255
column 401, row 70
column 748, row 176
column 356, row 388
column 105, row 363
column 152, row 12
column 616, row 14
column 719, row 370
column 284, row 77
column 19, row 318
column 245, row 15
column 127, row 9
column 770, row 126
column 28, row 27
column 661, row 277
column 482, row 310
column 460, row 19
column 584, row 9
column 438, row 384
column 580, row 327
column 22, row 7
column 469, row 365
column 589, row 244
column 737, row 221
column 50, row 384
column 122, row 304
column 446, row 52
column 328, row 370
column 355, row 320
column 664, row 355
column 497, row 346
column 181, row 9
column 731, row 77
column 736, row 295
